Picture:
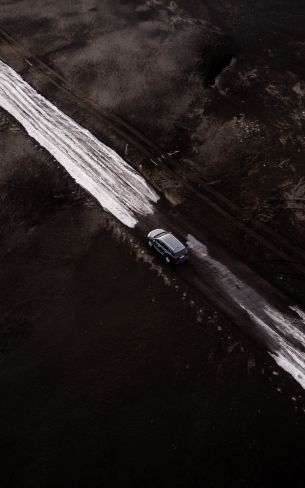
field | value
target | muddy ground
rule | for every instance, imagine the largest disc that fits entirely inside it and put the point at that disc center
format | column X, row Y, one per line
column 155, row 63
column 108, row 374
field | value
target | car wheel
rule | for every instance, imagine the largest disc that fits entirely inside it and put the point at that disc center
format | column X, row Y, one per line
column 167, row 259
column 150, row 243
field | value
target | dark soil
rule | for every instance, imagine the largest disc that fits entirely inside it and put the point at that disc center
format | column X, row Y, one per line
column 108, row 376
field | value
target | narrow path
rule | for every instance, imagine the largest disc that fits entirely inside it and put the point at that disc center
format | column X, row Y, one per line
column 122, row 191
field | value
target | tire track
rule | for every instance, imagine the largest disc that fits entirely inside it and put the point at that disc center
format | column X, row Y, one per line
column 280, row 246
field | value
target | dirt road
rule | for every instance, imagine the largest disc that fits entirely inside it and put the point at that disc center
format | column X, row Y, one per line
column 115, row 369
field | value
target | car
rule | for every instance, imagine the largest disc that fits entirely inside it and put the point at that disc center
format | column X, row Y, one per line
column 168, row 246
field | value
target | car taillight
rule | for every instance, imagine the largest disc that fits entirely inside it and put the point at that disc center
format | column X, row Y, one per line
column 176, row 258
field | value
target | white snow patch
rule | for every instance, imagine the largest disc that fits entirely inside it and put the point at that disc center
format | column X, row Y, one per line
column 100, row 170
column 299, row 312
column 284, row 332
column 299, row 89
column 287, row 355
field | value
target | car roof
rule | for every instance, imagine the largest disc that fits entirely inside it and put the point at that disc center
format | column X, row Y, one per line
column 171, row 241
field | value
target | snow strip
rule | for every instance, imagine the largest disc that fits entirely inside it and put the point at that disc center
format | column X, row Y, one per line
column 299, row 312
column 284, row 332
column 97, row 168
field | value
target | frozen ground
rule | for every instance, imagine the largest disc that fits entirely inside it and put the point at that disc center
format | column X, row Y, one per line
column 116, row 370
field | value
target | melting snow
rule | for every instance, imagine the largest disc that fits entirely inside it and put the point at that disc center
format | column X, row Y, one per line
column 284, row 331
column 100, row 170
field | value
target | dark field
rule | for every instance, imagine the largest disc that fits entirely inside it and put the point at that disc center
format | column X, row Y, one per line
column 115, row 371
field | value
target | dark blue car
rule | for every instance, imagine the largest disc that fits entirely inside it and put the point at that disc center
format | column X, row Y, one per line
column 168, row 245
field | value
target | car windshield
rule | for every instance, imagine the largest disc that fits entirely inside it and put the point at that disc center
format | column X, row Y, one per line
column 161, row 234
column 171, row 242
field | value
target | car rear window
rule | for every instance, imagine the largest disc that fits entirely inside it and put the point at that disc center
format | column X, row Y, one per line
column 172, row 242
